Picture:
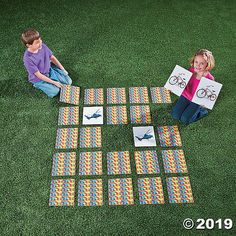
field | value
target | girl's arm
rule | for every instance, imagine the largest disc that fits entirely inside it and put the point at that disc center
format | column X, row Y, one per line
column 55, row 61
column 46, row 79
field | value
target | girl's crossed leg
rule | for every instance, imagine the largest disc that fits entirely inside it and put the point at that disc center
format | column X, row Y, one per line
column 187, row 111
column 180, row 107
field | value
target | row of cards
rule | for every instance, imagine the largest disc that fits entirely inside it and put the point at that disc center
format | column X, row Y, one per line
column 94, row 96
column 91, row 137
column 120, row 191
column 116, row 115
column 118, row 162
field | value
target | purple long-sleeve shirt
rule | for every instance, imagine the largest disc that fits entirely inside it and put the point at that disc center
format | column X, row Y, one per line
column 39, row 61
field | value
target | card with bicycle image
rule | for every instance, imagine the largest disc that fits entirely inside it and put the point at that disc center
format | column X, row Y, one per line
column 207, row 93
column 178, row 80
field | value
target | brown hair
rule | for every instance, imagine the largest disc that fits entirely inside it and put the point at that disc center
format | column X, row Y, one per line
column 207, row 55
column 29, row 35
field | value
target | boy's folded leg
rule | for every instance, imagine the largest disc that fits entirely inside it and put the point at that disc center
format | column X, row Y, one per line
column 59, row 75
column 65, row 79
column 50, row 89
column 68, row 80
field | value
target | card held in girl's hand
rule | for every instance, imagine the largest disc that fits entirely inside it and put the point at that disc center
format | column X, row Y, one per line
column 178, row 80
column 207, row 92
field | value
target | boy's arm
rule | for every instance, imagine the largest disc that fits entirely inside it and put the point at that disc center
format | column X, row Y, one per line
column 46, row 79
column 55, row 61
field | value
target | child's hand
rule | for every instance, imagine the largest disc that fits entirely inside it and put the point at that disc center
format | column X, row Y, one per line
column 58, row 84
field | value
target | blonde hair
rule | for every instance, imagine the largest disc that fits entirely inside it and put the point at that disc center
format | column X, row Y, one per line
column 29, row 35
column 208, row 57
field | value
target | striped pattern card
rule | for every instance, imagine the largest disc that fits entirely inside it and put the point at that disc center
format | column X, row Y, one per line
column 174, row 161
column 160, row 95
column 62, row 192
column 68, row 116
column 118, row 163
column 93, row 96
column 140, row 115
column 169, row 136
column 90, row 192
column 70, row 94
column 120, row 191
column 66, row 138
column 116, row 96
column 117, row 115
column 146, row 162
column 179, row 190
column 150, row 191
column 90, row 137
column 63, row 164
column 90, row 163
column 138, row 95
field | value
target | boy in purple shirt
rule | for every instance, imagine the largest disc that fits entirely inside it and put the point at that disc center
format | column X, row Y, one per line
column 37, row 60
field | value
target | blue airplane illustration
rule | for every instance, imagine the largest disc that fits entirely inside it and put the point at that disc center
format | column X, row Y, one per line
column 147, row 136
column 94, row 115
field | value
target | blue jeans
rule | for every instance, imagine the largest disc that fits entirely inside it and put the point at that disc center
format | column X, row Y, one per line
column 50, row 89
column 187, row 111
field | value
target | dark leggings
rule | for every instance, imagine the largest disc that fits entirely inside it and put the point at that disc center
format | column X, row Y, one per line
column 187, row 111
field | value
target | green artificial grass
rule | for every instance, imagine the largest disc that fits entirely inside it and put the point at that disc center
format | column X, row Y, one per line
column 115, row 44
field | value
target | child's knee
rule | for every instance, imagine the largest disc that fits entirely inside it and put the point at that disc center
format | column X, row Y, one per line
column 203, row 112
column 68, row 80
column 175, row 114
column 185, row 119
column 54, row 91
column 65, row 79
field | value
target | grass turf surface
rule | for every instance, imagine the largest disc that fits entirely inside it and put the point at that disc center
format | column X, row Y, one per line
column 114, row 44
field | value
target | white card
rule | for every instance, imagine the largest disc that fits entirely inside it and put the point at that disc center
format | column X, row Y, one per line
column 93, row 115
column 178, row 80
column 207, row 92
column 144, row 136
